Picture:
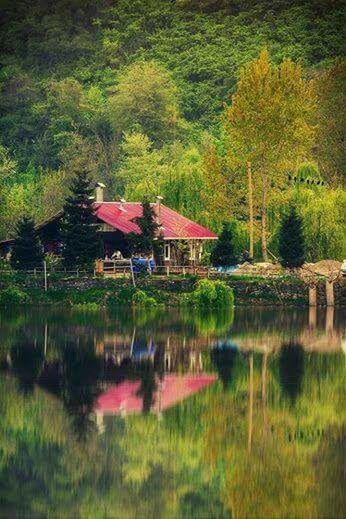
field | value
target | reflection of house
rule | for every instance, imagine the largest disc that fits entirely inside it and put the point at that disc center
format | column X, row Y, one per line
column 182, row 238
column 179, row 353
column 125, row 397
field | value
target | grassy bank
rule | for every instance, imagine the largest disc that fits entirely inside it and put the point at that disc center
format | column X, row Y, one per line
column 151, row 291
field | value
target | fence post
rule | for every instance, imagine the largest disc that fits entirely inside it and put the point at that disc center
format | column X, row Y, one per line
column 132, row 274
column 167, row 270
column 34, row 272
column 45, row 276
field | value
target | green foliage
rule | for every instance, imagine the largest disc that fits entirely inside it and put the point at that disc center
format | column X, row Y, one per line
column 308, row 172
column 86, row 307
column 27, row 250
column 291, row 240
column 323, row 212
column 141, row 298
column 210, row 294
column 133, row 92
column 223, row 254
column 12, row 296
column 79, row 234
column 145, row 100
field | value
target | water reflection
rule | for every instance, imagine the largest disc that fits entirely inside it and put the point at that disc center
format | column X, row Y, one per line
column 172, row 415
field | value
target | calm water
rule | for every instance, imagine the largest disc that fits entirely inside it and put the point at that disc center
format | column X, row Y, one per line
column 172, row 415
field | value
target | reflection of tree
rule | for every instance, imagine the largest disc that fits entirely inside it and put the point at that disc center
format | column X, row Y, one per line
column 275, row 478
column 27, row 362
column 209, row 322
column 81, row 370
column 291, row 369
column 223, row 358
column 148, row 384
column 330, row 466
column 202, row 504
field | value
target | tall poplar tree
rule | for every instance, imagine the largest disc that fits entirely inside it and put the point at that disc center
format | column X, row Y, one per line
column 27, row 251
column 268, row 124
column 79, row 231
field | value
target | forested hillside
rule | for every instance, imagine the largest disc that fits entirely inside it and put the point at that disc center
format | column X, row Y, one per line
column 137, row 92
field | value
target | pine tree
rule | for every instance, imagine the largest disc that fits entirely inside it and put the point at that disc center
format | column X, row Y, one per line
column 291, row 240
column 144, row 241
column 27, row 251
column 79, row 231
column 223, row 254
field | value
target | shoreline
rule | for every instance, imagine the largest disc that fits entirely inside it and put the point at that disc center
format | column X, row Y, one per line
column 168, row 292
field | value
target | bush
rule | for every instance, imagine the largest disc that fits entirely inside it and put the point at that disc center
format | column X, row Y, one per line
column 140, row 298
column 210, row 294
column 132, row 296
column 12, row 296
column 86, row 307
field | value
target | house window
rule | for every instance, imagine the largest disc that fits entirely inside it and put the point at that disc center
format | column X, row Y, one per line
column 167, row 252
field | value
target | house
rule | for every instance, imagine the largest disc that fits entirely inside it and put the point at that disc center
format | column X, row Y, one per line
column 182, row 238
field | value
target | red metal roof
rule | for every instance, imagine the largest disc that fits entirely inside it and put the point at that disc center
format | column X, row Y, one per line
column 121, row 216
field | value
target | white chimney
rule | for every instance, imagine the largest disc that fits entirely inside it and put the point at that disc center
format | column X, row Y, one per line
column 99, row 192
column 122, row 202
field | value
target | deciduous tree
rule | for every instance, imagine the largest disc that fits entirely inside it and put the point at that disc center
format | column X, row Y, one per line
column 268, row 124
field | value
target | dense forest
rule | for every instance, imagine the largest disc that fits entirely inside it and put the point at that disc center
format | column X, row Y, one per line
column 175, row 98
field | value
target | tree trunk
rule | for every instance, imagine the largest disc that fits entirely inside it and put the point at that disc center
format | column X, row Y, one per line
column 264, row 217
column 249, row 174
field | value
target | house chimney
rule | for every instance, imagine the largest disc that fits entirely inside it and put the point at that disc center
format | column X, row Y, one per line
column 99, row 192
column 122, row 202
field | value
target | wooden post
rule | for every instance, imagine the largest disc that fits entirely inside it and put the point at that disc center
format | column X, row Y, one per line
column 167, row 270
column 132, row 274
column 313, row 295
column 330, row 292
column 249, row 176
column 45, row 339
column 45, row 276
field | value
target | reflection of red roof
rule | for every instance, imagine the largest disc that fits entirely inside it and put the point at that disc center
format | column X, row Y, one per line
column 174, row 225
column 175, row 388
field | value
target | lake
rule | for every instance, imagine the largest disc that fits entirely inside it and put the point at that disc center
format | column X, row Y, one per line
column 172, row 414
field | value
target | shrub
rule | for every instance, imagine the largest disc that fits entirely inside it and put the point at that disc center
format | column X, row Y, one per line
column 140, row 298
column 86, row 307
column 12, row 296
column 210, row 294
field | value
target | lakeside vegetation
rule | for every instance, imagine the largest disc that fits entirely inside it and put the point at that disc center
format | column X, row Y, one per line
column 177, row 98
